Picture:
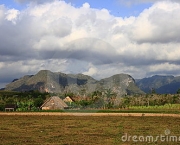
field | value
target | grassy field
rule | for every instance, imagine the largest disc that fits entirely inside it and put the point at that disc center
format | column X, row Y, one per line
column 84, row 130
column 141, row 111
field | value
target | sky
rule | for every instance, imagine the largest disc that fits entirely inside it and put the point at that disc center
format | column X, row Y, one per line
column 97, row 38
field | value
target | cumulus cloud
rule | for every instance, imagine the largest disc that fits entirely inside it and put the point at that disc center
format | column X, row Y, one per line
column 57, row 36
column 158, row 24
column 12, row 15
column 92, row 70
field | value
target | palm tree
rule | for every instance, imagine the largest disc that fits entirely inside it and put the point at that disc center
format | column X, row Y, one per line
column 110, row 96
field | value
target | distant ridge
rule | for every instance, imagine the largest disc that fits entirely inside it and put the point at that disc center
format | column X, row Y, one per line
column 161, row 84
column 57, row 82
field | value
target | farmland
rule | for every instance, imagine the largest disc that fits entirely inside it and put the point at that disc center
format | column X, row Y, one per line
column 97, row 121
column 77, row 130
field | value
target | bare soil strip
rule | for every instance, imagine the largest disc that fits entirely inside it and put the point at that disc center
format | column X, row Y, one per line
column 88, row 114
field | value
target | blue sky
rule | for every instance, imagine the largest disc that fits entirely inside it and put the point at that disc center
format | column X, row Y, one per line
column 11, row 4
column 116, row 8
column 137, row 37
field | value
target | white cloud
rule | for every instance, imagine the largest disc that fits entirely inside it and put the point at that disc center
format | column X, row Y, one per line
column 164, row 69
column 60, row 37
column 92, row 70
column 12, row 15
column 158, row 24
column 86, row 5
column 2, row 9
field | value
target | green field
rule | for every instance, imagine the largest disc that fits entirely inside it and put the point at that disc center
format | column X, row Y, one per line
column 84, row 130
column 166, row 109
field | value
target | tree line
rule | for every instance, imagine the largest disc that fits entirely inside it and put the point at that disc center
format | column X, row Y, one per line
column 107, row 99
column 24, row 101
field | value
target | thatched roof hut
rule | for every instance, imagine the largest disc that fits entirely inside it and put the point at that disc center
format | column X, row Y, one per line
column 68, row 99
column 54, row 103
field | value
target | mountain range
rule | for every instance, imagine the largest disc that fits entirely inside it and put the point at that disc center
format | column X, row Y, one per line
column 122, row 84
column 57, row 82
column 160, row 84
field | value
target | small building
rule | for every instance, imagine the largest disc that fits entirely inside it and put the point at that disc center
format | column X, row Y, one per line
column 54, row 103
column 68, row 100
column 10, row 107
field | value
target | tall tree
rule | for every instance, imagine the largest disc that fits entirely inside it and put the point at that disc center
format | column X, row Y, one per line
column 110, row 96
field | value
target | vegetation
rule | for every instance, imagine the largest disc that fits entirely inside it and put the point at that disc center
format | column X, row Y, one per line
column 66, row 130
column 110, row 100
column 107, row 99
column 25, row 101
column 178, row 91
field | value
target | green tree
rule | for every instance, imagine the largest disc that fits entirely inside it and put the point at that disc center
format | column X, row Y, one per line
column 98, row 103
column 2, row 104
column 126, row 102
column 26, row 105
column 84, row 103
column 110, row 97
column 153, row 91
column 178, row 91
column 10, row 101
column 38, row 102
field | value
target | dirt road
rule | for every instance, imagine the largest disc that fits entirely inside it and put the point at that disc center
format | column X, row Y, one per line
column 87, row 114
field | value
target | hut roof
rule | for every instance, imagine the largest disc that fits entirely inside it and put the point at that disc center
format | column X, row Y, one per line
column 54, row 103
column 68, row 99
